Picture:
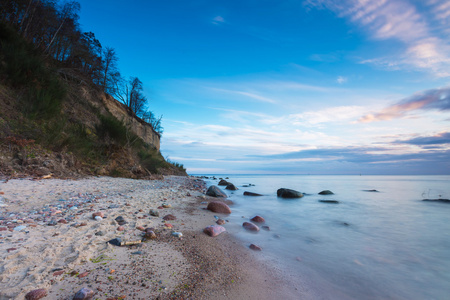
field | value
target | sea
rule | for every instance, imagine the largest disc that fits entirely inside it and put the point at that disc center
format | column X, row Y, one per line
column 380, row 241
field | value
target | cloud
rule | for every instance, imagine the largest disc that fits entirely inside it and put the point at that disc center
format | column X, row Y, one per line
column 438, row 139
column 341, row 79
column 218, row 20
column 436, row 99
column 399, row 20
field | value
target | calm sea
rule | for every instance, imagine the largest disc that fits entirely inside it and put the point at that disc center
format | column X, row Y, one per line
column 371, row 245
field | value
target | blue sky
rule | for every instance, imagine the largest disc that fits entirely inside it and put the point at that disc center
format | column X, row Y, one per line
column 301, row 87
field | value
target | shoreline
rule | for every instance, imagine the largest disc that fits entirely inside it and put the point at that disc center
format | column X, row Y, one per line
column 73, row 255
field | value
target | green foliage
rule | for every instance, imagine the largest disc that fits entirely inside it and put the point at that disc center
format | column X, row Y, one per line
column 151, row 159
column 111, row 129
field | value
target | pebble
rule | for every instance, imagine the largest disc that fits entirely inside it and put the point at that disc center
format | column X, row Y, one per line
column 154, row 212
column 220, row 222
column 84, row 274
column 63, row 221
column 250, row 226
column 169, row 218
column 255, row 247
column 99, row 213
column 165, row 205
column 137, row 253
column 98, row 218
column 20, row 228
column 120, row 228
column 258, row 219
column 177, row 234
column 84, row 294
column 99, row 233
column 36, row 294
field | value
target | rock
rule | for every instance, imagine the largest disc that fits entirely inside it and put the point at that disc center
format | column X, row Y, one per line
column 99, row 233
column 177, row 234
column 168, row 225
column 140, row 228
column 218, row 207
column 258, row 219
column 120, row 228
column 20, row 228
column 169, row 218
column 115, row 242
column 36, row 294
column 84, row 274
column 223, row 182
column 265, row 227
column 326, row 192
column 57, row 273
column 220, row 222
column 214, row 191
column 438, row 200
column 154, row 212
column 255, row 247
column 329, row 201
column 252, row 194
column 136, row 253
column 120, row 220
column 84, row 294
column 288, row 193
column 98, row 218
column 231, row 187
column 62, row 221
column 52, row 223
column 149, row 234
column 250, row 226
column 371, row 191
column 99, row 213
column 214, row 230
column 165, row 205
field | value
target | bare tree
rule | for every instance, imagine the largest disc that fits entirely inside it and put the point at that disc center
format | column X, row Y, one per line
column 109, row 68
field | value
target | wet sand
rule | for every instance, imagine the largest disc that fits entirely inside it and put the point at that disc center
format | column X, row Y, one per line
column 50, row 240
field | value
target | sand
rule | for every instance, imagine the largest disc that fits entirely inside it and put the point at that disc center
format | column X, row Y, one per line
column 50, row 240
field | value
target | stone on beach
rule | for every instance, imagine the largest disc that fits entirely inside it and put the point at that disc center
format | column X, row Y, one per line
column 231, row 187
column 288, row 193
column 220, row 222
column 251, row 194
column 36, row 294
column 214, row 191
column 84, row 294
column 214, row 230
column 250, row 226
column 154, row 212
column 150, row 234
column 258, row 219
column 169, row 218
column 99, row 213
column 218, row 207
column 120, row 228
column 326, row 192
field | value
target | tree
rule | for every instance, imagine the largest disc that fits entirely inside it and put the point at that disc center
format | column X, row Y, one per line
column 109, row 68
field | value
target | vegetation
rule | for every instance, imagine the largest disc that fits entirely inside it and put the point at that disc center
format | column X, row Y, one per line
column 48, row 66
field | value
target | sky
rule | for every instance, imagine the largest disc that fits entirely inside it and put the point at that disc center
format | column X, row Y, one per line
column 289, row 86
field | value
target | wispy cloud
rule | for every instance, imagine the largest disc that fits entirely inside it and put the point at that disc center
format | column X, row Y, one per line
column 218, row 20
column 438, row 139
column 437, row 99
column 341, row 79
column 399, row 20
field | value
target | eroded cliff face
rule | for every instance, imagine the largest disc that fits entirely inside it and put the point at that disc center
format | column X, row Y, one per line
column 137, row 126
column 105, row 102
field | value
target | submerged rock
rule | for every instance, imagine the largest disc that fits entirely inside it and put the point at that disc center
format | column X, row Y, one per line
column 288, row 193
column 223, row 182
column 438, row 200
column 255, row 247
column 250, row 226
column 218, row 207
column 329, row 201
column 214, row 230
column 371, row 191
column 214, row 191
column 326, row 192
column 251, row 194
column 258, row 219
column 231, row 187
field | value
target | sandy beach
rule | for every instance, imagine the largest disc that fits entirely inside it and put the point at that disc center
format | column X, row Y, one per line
column 50, row 240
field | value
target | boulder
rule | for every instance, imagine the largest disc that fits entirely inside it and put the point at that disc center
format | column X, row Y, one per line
column 84, row 294
column 288, row 193
column 251, row 194
column 214, row 230
column 326, row 192
column 231, row 187
column 223, row 182
column 218, row 207
column 258, row 219
column 214, row 191
column 250, row 226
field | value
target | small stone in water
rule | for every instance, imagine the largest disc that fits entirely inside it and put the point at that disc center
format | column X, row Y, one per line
column 255, row 247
